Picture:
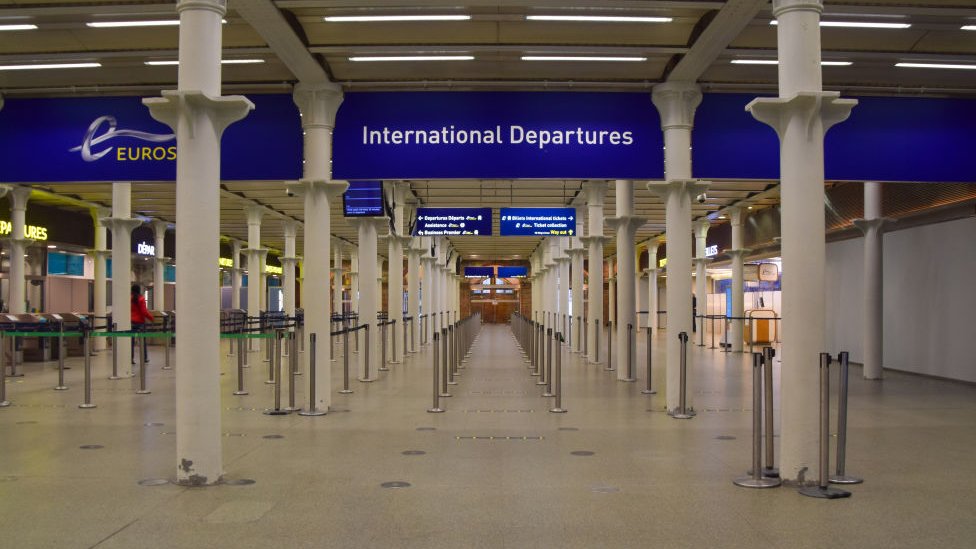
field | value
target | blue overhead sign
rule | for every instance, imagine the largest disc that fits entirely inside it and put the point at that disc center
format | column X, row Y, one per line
column 363, row 199
column 82, row 139
column 438, row 135
column 537, row 222
column 453, row 222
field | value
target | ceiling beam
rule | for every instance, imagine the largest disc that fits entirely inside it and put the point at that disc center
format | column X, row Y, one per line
column 270, row 23
column 734, row 16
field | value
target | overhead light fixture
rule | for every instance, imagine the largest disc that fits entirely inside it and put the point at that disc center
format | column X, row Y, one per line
column 599, row 18
column 387, row 18
column 775, row 62
column 858, row 24
column 935, row 66
column 413, row 58
column 51, row 247
column 170, row 62
column 580, row 58
column 147, row 23
column 17, row 27
column 49, row 66
column 968, row 28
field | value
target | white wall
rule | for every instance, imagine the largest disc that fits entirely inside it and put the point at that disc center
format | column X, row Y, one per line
column 929, row 299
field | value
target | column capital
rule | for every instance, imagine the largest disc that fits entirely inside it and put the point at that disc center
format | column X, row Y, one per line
column 702, row 261
column 289, row 261
column 255, row 213
column 121, row 223
column 807, row 105
column 596, row 191
column 333, row 188
column 690, row 187
column 562, row 259
column 377, row 222
column 594, row 239
column 318, row 103
column 159, row 226
column 290, row 227
column 103, row 253
column 19, row 195
column 574, row 252
column 97, row 213
column 737, row 215
column 676, row 102
column 733, row 254
column 176, row 105
column 783, row 6
column 651, row 271
column 162, row 259
column 701, row 226
column 876, row 224
column 626, row 222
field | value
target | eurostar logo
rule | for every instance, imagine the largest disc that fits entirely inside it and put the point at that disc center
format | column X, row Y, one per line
column 91, row 139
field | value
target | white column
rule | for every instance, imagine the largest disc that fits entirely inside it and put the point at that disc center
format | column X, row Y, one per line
column 800, row 116
column 354, row 280
column 701, row 282
column 553, row 280
column 873, row 226
column 121, row 226
column 99, row 254
column 626, row 224
column 676, row 103
column 652, row 272
column 595, row 194
column 288, row 263
column 562, row 268
column 318, row 105
column 612, row 286
column 737, row 253
column 428, row 292
column 368, row 300
column 198, row 114
column 394, row 277
column 337, row 280
column 17, row 297
column 256, row 256
column 235, row 274
column 159, row 268
column 413, row 293
column 677, row 196
column 576, row 253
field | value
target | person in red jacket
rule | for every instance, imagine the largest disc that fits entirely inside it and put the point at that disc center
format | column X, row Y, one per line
column 139, row 316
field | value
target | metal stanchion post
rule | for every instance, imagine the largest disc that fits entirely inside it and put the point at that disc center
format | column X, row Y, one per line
column 752, row 335
column 449, row 357
column 545, row 362
column 585, row 339
column 727, row 347
column 823, row 490
column 312, row 410
column 840, row 477
column 558, row 405
column 356, row 350
column 301, row 337
column 536, row 349
column 292, row 371
column 13, row 357
column 366, row 351
column 383, row 367
column 610, row 341
column 166, row 364
column 267, row 355
column 770, row 469
column 240, row 367
column 596, row 343
column 405, row 340
column 756, row 480
column 647, row 386
column 712, row 319
column 3, row 373
column 554, row 349
column 631, row 370
column 444, row 368
column 345, row 362
column 701, row 330
column 277, row 410
column 88, row 375
column 115, row 355
column 331, row 345
column 436, row 408
column 271, row 365
column 61, row 386
column 142, row 366
column 683, row 412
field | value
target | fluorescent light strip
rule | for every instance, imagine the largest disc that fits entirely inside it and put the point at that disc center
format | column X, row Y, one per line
column 150, row 23
column 171, row 62
column 935, row 66
column 17, row 27
column 414, row 58
column 385, row 18
column 968, row 28
column 580, row 58
column 599, row 18
column 773, row 62
column 858, row 24
column 49, row 66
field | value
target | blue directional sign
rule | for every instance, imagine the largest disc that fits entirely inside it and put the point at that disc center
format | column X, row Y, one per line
column 479, row 272
column 513, row 272
column 453, row 222
column 538, row 222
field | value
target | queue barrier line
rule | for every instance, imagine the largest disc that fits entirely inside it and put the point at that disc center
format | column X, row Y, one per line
column 40, row 334
column 144, row 335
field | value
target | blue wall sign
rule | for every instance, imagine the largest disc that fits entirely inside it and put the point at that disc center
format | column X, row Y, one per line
column 438, row 135
column 115, row 139
column 537, row 221
column 363, row 199
column 479, row 272
column 513, row 272
column 885, row 139
column 453, row 222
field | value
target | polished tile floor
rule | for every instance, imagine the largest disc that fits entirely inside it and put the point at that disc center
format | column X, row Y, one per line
column 496, row 470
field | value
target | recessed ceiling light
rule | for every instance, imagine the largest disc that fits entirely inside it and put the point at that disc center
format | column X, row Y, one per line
column 169, row 62
column 580, row 58
column 385, row 18
column 599, row 18
column 49, row 66
column 935, row 66
column 414, row 58
column 17, row 27
column 858, row 24
column 775, row 62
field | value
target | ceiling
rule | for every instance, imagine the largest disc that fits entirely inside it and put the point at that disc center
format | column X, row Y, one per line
column 294, row 43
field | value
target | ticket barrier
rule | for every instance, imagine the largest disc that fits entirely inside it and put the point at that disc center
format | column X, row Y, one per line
column 64, row 322
column 19, row 349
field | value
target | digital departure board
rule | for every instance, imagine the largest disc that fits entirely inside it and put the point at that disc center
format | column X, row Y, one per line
column 363, row 199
